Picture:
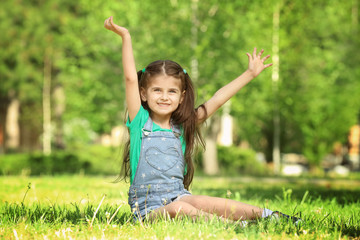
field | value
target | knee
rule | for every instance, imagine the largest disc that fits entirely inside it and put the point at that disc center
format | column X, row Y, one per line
column 199, row 201
column 179, row 209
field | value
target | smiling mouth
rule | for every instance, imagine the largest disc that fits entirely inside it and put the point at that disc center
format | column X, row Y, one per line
column 163, row 104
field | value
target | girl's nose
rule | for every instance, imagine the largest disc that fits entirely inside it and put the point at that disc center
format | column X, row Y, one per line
column 164, row 96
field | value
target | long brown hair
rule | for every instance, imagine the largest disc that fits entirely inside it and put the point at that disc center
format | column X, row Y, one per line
column 185, row 115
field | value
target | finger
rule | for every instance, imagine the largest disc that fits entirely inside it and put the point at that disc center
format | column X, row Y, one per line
column 106, row 23
column 261, row 52
column 254, row 52
column 249, row 56
column 111, row 21
column 268, row 65
column 265, row 58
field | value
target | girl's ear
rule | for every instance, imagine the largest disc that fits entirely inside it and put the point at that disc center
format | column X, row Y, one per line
column 182, row 96
column 143, row 94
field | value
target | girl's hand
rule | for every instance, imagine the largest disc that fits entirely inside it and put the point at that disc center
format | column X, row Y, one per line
column 110, row 25
column 256, row 64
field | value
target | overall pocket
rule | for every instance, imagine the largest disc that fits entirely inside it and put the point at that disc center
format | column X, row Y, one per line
column 162, row 159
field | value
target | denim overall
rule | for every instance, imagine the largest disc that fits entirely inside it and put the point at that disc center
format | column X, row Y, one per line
column 159, row 176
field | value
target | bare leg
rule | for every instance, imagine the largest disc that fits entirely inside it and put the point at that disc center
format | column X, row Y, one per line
column 206, row 207
column 222, row 207
column 179, row 209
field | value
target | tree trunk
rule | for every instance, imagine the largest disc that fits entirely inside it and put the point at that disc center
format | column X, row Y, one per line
column 46, row 104
column 1, row 137
column 210, row 154
column 210, row 160
column 194, row 41
column 275, row 80
column 59, row 109
column 12, row 129
column 3, row 110
column 226, row 129
column 354, row 25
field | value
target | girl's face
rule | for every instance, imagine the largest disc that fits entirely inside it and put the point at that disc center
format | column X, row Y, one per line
column 163, row 96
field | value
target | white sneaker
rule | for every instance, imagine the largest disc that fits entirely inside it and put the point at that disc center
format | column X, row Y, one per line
column 277, row 215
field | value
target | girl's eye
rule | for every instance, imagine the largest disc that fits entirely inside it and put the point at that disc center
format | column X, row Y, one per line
column 157, row 90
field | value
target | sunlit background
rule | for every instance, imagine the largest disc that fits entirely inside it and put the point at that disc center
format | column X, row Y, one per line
column 62, row 94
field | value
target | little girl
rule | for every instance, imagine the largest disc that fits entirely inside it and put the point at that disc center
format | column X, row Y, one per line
column 163, row 126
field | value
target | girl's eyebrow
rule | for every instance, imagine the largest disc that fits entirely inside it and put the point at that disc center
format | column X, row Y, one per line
column 176, row 89
column 154, row 87
column 158, row 87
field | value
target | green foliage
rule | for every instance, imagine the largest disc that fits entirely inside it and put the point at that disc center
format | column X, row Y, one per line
column 320, row 88
column 56, row 163
column 78, row 131
column 14, row 164
column 235, row 160
column 88, row 160
column 98, row 159
column 40, row 164
column 318, row 68
column 317, row 86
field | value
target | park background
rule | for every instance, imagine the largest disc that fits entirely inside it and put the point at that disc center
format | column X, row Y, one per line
column 62, row 112
column 62, row 103
column 62, row 91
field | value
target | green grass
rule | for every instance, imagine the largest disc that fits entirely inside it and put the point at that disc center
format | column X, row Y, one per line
column 80, row 207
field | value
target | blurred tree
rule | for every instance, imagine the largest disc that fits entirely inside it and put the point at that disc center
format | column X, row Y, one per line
column 73, row 63
column 311, row 60
column 317, row 102
column 25, row 37
column 219, row 44
column 318, row 67
column 252, row 26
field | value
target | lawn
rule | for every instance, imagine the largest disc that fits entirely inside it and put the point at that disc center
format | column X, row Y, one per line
column 82, row 207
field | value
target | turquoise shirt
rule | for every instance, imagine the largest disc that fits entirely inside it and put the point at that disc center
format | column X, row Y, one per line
column 135, row 129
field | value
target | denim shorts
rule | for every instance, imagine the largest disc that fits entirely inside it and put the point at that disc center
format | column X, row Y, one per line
column 143, row 200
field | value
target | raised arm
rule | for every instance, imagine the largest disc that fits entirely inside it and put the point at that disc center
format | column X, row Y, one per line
column 131, row 82
column 256, row 66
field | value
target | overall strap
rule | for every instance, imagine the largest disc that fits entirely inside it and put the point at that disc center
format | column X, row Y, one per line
column 147, row 129
column 176, row 130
